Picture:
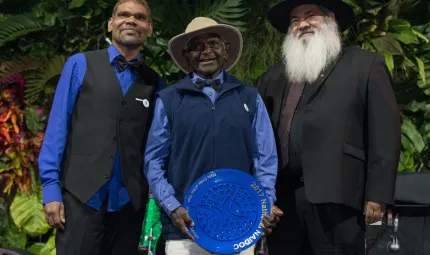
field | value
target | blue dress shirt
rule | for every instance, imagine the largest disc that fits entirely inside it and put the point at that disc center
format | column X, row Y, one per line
column 58, row 127
column 158, row 151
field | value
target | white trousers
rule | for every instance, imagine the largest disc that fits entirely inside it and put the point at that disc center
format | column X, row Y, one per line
column 186, row 247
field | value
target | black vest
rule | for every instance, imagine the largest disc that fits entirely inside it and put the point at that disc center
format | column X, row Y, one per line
column 103, row 120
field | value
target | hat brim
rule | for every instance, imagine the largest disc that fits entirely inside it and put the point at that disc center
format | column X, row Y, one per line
column 231, row 35
column 279, row 14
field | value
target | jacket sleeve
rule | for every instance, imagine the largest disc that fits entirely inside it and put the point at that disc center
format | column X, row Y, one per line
column 383, row 132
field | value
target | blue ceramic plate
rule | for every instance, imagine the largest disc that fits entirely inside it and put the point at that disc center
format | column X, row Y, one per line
column 226, row 206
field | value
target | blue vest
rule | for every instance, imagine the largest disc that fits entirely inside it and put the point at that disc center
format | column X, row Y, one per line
column 206, row 136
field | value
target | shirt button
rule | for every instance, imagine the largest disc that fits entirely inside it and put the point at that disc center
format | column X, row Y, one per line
column 115, row 140
column 210, row 94
column 120, row 122
column 106, row 176
column 111, row 157
column 296, row 111
column 123, row 103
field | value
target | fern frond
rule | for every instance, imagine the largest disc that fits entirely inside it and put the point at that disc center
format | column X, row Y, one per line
column 19, row 65
column 37, row 82
column 224, row 11
column 19, row 25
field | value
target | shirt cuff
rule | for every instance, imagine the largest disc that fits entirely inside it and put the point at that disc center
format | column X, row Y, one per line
column 272, row 200
column 169, row 204
column 52, row 193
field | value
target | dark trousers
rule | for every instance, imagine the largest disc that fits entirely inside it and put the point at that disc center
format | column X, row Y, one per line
column 315, row 229
column 91, row 232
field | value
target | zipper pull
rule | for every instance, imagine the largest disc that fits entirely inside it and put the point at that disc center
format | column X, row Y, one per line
column 213, row 108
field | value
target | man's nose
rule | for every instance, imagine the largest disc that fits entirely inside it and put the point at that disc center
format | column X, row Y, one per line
column 304, row 25
column 131, row 20
column 206, row 48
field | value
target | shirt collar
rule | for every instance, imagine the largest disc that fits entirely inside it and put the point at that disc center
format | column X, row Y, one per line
column 220, row 76
column 113, row 53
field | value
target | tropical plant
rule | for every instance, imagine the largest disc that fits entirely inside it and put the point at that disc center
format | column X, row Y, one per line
column 21, row 133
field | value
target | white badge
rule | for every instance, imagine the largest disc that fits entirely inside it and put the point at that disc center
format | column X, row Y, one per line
column 246, row 107
column 145, row 102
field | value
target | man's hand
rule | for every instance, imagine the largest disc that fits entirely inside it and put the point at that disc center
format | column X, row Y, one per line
column 268, row 223
column 181, row 219
column 276, row 213
column 54, row 214
column 374, row 211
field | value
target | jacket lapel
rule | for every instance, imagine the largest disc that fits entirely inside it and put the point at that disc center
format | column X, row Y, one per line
column 323, row 76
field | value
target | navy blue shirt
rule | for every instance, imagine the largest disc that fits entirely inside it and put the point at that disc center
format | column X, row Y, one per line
column 158, row 151
column 58, row 127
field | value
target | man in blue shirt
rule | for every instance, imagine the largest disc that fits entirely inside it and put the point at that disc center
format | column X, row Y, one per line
column 207, row 121
column 91, row 160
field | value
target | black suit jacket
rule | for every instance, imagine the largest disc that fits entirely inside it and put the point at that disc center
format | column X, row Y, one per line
column 350, row 130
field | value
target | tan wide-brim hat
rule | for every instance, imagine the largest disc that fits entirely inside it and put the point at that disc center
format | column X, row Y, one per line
column 202, row 25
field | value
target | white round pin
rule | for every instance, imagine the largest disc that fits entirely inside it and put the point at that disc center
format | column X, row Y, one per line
column 145, row 103
column 246, row 107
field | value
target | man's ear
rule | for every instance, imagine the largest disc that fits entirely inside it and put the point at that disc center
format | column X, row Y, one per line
column 150, row 29
column 110, row 24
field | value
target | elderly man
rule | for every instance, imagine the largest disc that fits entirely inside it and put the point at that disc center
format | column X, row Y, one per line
column 94, row 191
column 337, row 127
column 208, row 120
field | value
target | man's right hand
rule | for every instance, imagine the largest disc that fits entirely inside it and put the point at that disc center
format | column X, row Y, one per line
column 276, row 213
column 181, row 219
column 54, row 214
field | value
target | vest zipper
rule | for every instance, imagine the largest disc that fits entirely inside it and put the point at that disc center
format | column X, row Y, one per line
column 213, row 122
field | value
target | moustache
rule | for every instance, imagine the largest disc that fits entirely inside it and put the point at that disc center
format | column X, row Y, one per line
column 306, row 30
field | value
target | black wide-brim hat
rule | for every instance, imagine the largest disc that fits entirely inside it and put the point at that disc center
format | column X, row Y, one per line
column 279, row 14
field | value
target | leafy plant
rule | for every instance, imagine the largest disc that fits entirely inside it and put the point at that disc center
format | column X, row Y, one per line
column 17, row 26
column 27, row 212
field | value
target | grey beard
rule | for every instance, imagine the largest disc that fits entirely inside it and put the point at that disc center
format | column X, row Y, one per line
column 304, row 59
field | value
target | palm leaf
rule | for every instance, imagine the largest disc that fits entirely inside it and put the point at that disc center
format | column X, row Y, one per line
column 19, row 25
column 177, row 20
column 37, row 82
column 223, row 11
column 21, row 64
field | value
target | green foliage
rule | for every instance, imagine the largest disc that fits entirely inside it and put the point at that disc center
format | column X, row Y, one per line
column 10, row 235
column 17, row 26
column 27, row 213
column 49, row 248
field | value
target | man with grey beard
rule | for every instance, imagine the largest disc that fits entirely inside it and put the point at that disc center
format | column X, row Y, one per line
column 337, row 126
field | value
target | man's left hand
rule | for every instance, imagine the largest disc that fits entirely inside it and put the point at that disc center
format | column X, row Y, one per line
column 267, row 224
column 374, row 211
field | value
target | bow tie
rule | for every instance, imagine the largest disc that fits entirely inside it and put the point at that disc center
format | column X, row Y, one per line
column 122, row 63
column 215, row 84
